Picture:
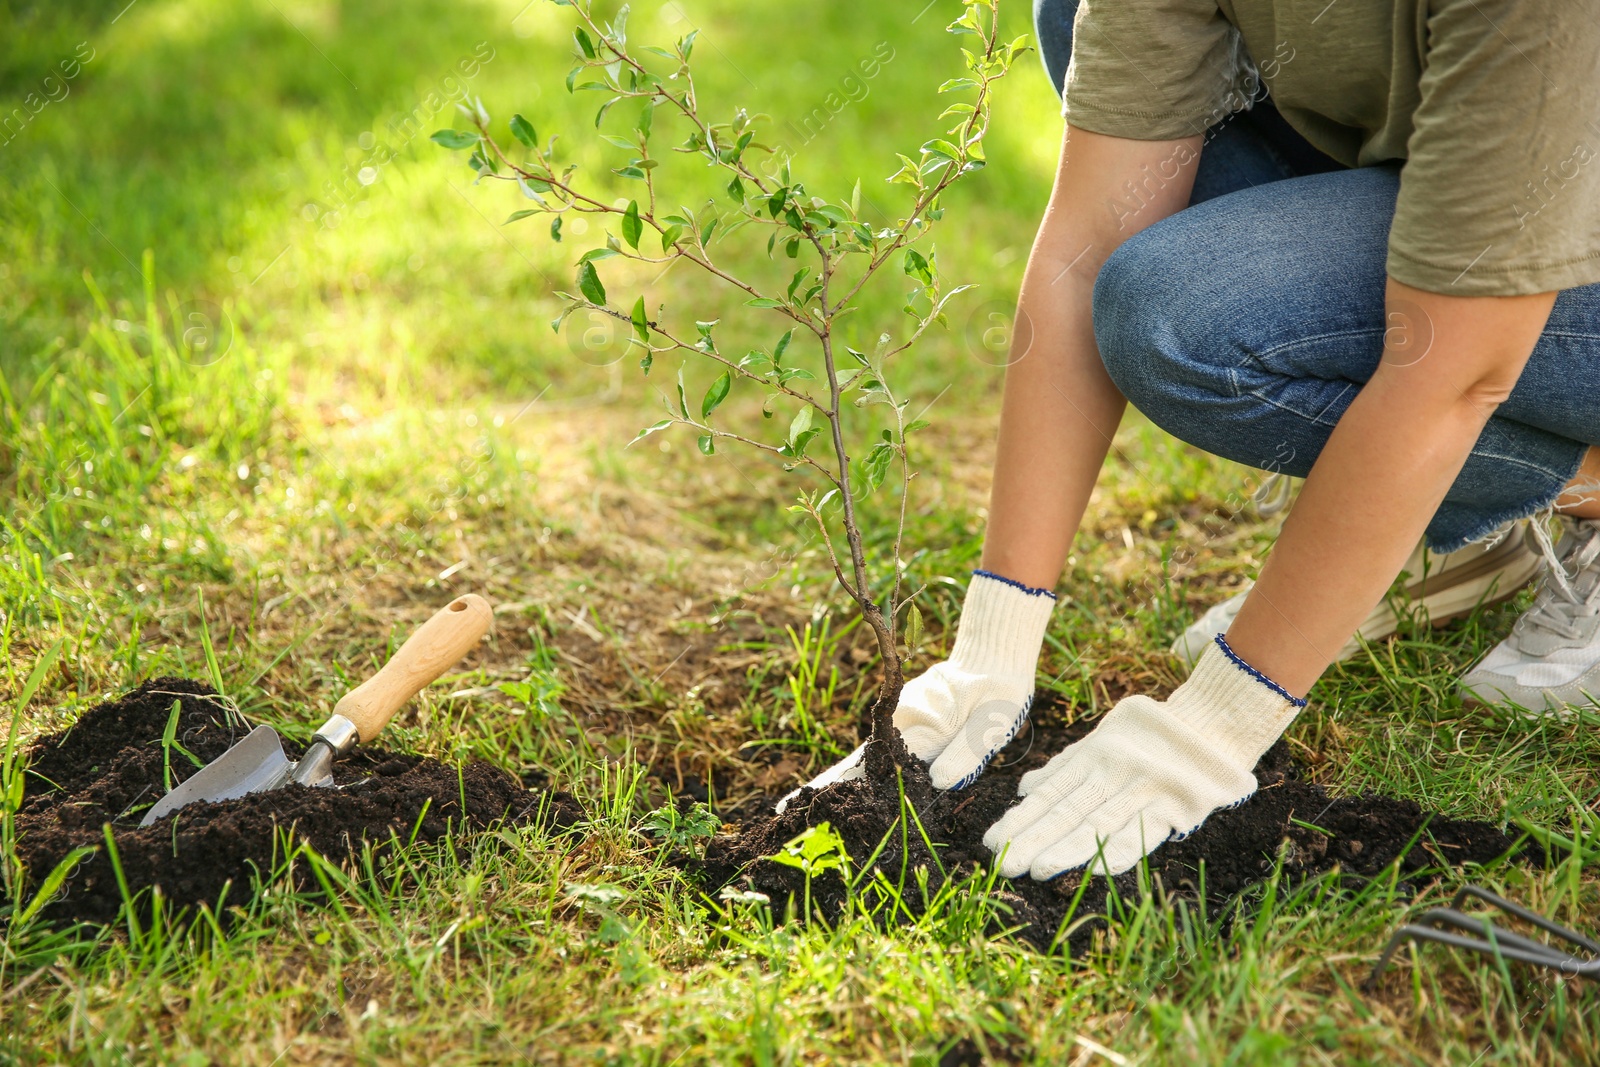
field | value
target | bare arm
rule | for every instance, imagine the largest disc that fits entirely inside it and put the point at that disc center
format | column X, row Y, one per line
column 1061, row 408
column 1383, row 473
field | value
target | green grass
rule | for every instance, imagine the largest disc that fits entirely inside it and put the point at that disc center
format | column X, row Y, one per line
column 239, row 436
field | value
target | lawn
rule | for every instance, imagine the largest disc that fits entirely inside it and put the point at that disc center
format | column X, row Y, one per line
column 274, row 371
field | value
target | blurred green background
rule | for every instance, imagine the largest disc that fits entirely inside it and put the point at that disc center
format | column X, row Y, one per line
column 234, row 140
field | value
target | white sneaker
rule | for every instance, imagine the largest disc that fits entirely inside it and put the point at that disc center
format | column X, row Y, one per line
column 1551, row 661
column 1437, row 589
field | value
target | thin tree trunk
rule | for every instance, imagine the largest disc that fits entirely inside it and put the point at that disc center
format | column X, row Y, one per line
column 881, row 756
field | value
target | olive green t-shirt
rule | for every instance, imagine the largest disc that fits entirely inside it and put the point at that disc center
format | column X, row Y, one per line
column 1492, row 106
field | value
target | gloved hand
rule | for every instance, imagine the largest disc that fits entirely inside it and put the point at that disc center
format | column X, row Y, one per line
column 959, row 713
column 1151, row 768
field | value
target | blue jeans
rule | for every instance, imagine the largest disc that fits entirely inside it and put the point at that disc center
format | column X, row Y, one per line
column 1247, row 323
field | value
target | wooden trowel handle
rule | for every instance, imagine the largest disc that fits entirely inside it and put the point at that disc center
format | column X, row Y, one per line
column 436, row 647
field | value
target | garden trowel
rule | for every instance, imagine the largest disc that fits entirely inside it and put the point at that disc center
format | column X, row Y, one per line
column 257, row 763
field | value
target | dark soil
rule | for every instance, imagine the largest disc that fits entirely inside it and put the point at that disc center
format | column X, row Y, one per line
column 1237, row 847
column 108, row 768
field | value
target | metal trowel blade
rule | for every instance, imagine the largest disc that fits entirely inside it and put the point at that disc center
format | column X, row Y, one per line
column 253, row 765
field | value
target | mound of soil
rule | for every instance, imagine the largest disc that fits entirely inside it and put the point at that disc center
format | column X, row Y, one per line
column 111, row 765
column 1237, row 847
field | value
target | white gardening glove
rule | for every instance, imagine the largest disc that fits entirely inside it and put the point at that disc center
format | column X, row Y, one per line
column 959, row 713
column 1151, row 769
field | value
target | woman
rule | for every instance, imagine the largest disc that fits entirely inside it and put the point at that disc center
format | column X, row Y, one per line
column 1357, row 242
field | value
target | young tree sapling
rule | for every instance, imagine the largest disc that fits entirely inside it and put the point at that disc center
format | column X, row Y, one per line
column 836, row 251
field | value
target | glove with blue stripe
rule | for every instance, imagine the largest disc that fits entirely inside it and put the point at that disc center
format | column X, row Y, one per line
column 1151, row 769
column 960, row 712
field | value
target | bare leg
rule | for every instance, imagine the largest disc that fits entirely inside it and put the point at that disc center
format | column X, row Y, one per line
column 1582, row 498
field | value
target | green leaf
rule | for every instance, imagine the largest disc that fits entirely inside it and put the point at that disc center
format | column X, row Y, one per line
column 632, row 227
column 800, row 424
column 522, row 130
column 818, row 849
column 914, row 425
column 168, row 739
column 706, row 344
column 873, row 392
column 876, row 466
column 797, row 447
column 708, row 445
column 36, row 677
column 917, row 267
column 589, row 284
column 641, row 322
column 41, row 667
column 716, row 395
column 52, row 884
column 454, row 139
column 567, row 309
column 763, row 302
column 782, row 346
column 212, row 667
column 585, row 45
column 555, row 229
column 515, row 215
column 913, row 630
column 647, row 431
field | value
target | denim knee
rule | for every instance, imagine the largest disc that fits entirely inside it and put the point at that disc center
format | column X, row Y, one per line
column 1138, row 313
column 1180, row 348
column 1219, row 294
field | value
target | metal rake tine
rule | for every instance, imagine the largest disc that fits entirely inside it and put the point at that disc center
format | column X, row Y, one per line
column 1500, row 942
column 1424, row 930
column 1495, row 938
column 1418, row 932
column 1491, row 931
column 1547, row 925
